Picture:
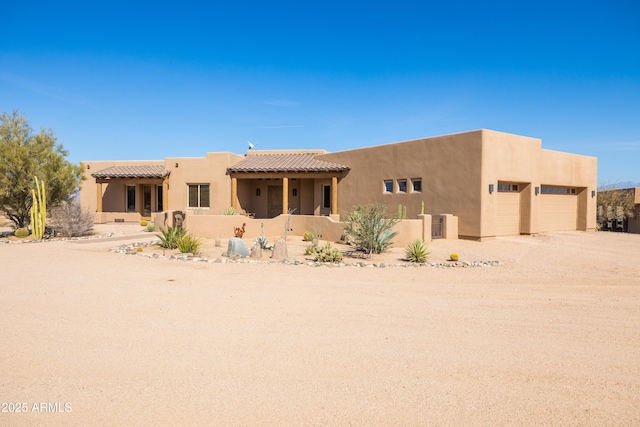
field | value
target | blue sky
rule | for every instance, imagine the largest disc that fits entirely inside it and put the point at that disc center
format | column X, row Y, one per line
column 148, row 80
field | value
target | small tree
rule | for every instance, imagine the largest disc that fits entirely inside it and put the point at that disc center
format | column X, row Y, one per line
column 613, row 204
column 25, row 155
column 369, row 229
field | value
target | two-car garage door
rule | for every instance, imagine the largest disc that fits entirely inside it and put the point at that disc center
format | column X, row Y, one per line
column 558, row 212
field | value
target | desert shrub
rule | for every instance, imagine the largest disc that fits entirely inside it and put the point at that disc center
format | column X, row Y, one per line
column 454, row 257
column 151, row 227
column 416, row 251
column 21, row 232
column 188, row 243
column 143, row 223
column 369, row 230
column 326, row 253
column 263, row 242
column 308, row 236
column 230, row 211
column 72, row 220
column 169, row 237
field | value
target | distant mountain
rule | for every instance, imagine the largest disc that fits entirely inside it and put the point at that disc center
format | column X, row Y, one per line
column 618, row 185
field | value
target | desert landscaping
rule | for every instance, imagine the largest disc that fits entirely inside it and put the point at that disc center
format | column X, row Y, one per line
column 549, row 335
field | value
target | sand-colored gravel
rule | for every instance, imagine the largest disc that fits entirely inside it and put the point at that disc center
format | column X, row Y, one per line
column 551, row 337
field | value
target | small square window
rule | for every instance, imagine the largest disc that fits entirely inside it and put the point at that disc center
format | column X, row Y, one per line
column 416, row 185
column 388, row 186
column 402, row 186
column 514, row 187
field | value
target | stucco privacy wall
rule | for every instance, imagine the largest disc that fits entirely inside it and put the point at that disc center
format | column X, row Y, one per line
column 223, row 226
column 449, row 167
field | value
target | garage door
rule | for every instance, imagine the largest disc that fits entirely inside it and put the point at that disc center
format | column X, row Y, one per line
column 558, row 212
column 508, row 216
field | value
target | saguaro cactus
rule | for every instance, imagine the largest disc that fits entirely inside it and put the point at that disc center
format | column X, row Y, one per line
column 38, row 210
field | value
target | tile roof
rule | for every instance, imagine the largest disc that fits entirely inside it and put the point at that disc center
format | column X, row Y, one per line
column 286, row 162
column 139, row 171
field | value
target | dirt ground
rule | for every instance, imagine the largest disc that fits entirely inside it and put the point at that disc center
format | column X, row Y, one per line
column 550, row 337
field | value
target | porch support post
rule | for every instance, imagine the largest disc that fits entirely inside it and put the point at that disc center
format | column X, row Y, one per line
column 285, row 195
column 99, row 197
column 165, row 194
column 234, row 193
column 334, row 195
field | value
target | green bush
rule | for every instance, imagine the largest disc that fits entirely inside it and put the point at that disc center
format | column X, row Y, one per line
column 369, row 230
column 151, row 227
column 169, row 237
column 326, row 253
column 416, row 251
column 189, row 244
column 21, row 232
column 308, row 236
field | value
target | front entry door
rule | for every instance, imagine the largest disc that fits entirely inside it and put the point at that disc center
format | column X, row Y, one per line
column 275, row 201
column 146, row 201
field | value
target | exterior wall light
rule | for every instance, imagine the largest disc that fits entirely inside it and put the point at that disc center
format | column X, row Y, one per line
column 490, row 188
column 593, row 193
column 537, row 190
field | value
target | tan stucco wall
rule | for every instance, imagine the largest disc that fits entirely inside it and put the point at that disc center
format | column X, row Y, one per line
column 456, row 171
column 211, row 170
column 572, row 170
column 449, row 167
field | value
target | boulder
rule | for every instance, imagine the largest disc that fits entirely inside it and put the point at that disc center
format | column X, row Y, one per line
column 280, row 249
column 237, row 248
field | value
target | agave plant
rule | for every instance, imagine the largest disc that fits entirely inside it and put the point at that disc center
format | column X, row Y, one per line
column 416, row 251
column 169, row 237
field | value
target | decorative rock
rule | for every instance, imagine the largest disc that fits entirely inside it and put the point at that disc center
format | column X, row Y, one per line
column 256, row 251
column 237, row 247
column 280, row 249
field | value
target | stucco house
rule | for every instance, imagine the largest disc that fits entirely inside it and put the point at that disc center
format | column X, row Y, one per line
column 496, row 184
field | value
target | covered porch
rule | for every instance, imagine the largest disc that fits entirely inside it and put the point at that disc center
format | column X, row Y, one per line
column 131, row 193
column 266, row 185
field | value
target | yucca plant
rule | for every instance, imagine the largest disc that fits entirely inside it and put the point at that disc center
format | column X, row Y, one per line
column 230, row 211
column 416, row 251
column 169, row 237
column 189, row 244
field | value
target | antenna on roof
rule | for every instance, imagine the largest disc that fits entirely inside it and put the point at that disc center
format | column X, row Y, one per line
column 251, row 144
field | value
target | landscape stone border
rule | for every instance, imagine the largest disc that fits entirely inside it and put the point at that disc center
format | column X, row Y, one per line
column 132, row 249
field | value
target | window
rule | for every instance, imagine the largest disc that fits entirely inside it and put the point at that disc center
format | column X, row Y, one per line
column 388, row 186
column 198, row 195
column 326, row 197
column 504, row 187
column 159, row 204
column 547, row 189
column 131, row 198
column 402, row 186
column 416, row 185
